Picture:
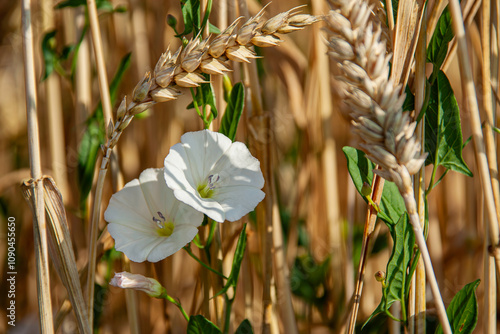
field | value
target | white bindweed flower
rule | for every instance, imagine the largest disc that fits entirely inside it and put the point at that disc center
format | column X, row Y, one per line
column 147, row 221
column 126, row 280
column 209, row 172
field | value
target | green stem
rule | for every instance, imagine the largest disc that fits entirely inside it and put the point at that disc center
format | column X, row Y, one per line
column 164, row 295
column 229, row 305
column 207, row 14
column 188, row 250
column 195, row 104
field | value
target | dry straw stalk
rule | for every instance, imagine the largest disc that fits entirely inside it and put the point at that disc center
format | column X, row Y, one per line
column 37, row 205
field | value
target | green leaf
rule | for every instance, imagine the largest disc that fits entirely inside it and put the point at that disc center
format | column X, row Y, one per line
column 360, row 168
column 50, row 57
column 239, row 253
column 438, row 46
column 94, row 136
column 443, row 133
column 244, row 328
column 205, row 96
column 409, row 104
column 191, row 15
column 307, row 279
column 213, row 29
column 234, row 109
column 396, row 271
column 71, row 3
column 462, row 311
column 198, row 324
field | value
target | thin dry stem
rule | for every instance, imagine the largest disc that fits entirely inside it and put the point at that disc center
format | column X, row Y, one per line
column 407, row 192
column 475, row 122
column 371, row 218
column 419, row 284
column 106, row 107
column 38, row 207
column 487, row 104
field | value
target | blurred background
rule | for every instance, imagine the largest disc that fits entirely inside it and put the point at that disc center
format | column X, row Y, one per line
column 321, row 213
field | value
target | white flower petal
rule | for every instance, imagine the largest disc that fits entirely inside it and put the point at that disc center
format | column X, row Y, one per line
column 238, row 201
column 128, row 205
column 208, row 206
column 209, row 159
column 136, row 211
column 203, row 157
column 237, row 166
column 181, row 236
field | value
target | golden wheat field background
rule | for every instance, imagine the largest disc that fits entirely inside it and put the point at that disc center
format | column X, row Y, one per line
column 304, row 241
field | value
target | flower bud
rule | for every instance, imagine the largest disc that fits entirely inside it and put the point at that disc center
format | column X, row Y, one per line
column 380, row 276
column 171, row 21
column 127, row 280
column 366, row 190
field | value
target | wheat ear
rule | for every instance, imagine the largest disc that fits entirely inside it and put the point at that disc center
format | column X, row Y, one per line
column 387, row 134
column 184, row 69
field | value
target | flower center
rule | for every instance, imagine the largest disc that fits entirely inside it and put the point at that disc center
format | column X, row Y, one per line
column 165, row 228
column 206, row 190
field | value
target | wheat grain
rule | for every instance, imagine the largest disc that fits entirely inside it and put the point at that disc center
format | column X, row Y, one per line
column 358, row 45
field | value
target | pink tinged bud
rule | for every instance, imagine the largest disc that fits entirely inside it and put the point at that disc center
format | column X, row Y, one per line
column 127, row 280
column 142, row 88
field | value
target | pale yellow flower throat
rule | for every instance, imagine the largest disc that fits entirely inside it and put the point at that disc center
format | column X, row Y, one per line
column 165, row 229
column 206, row 190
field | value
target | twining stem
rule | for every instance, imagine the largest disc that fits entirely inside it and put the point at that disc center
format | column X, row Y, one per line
column 39, row 226
column 406, row 190
column 176, row 303
column 371, row 217
column 188, row 250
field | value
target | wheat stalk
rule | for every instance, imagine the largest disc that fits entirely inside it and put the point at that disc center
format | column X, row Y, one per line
column 183, row 69
column 387, row 134
column 37, row 203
